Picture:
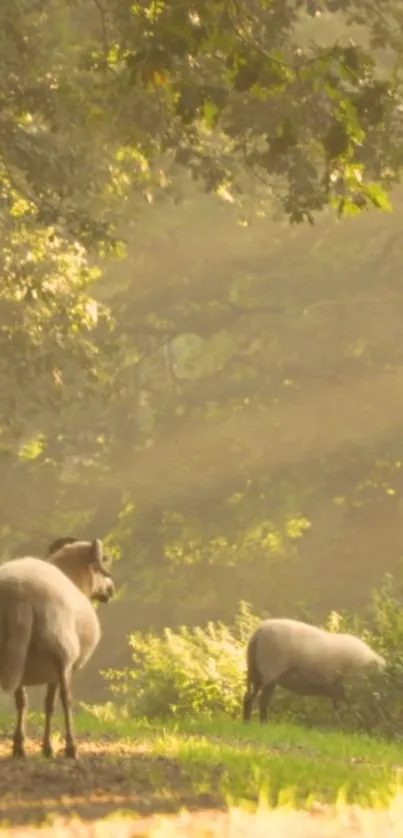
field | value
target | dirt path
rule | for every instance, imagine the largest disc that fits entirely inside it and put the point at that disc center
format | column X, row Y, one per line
column 108, row 776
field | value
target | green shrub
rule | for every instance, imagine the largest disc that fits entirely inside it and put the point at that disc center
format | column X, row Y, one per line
column 201, row 671
column 382, row 628
column 191, row 671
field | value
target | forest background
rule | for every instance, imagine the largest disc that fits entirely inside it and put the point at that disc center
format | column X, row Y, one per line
column 201, row 302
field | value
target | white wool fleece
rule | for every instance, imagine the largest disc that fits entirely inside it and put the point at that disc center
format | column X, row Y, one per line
column 44, row 619
column 318, row 654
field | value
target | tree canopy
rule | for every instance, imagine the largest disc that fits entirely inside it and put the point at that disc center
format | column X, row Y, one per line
column 245, row 95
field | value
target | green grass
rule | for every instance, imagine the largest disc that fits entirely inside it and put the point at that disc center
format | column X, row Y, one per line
column 282, row 761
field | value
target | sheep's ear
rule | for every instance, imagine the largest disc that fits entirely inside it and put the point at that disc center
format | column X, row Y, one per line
column 97, row 552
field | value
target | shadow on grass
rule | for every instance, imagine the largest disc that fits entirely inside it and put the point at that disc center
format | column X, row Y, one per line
column 108, row 777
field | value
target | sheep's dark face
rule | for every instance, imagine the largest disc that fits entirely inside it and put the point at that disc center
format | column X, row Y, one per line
column 103, row 586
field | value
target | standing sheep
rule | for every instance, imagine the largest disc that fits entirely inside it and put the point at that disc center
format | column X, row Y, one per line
column 303, row 659
column 49, row 628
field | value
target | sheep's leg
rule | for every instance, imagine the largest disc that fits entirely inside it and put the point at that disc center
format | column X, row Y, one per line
column 248, row 700
column 21, row 704
column 339, row 697
column 50, row 701
column 65, row 695
column 264, row 699
column 337, row 704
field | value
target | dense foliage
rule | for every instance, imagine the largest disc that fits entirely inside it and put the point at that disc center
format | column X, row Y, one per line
column 95, row 93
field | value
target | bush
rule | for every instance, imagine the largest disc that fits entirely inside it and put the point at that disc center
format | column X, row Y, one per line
column 201, row 671
column 382, row 628
column 191, row 671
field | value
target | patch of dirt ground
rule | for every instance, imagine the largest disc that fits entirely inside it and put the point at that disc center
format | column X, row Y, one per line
column 108, row 776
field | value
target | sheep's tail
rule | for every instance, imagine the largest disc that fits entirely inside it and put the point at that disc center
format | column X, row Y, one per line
column 17, row 632
column 253, row 674
column 253, row 678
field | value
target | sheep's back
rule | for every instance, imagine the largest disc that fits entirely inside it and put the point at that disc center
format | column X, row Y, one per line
column 283, row 644
column 37, row 579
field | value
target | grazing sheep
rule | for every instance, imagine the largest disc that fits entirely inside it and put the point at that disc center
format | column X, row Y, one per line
column 303, row 659
column 49, row 628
